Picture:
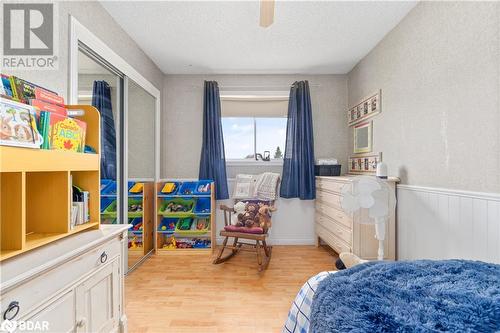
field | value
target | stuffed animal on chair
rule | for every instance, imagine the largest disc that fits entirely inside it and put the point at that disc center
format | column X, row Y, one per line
column 265, row 216
column 239, row 210
column 250, row 218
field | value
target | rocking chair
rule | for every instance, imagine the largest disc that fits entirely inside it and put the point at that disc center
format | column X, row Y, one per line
column 256, row 236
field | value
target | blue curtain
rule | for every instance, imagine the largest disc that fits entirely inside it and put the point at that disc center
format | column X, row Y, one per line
column 213, row 160
column 298, row 165
column 101, row 99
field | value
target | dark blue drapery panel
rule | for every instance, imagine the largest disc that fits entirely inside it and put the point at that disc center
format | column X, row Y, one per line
column 213, row 160
column 101, row 99
column 298, row 165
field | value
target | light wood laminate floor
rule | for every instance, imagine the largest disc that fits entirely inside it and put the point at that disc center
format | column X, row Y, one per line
column 186, row 293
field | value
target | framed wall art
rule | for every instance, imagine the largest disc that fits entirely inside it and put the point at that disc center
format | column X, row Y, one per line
column 363, row 137
column 364, row 163
column 365, row 109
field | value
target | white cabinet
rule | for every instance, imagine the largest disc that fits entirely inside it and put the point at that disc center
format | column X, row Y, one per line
column 79, row 290
column 58, row 315
column 339, row 231
column 98, row 300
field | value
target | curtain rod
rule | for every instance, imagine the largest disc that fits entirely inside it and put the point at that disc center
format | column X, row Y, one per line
column 259, row 87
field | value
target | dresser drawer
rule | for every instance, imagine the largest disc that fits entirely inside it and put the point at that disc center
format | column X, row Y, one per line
column 329, row 199
column 334, row 214
column 331, row 185
column 35, row 292
column 334, row 242
column 336, row 228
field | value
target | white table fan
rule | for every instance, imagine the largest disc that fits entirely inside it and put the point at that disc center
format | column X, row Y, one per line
column 371, row 201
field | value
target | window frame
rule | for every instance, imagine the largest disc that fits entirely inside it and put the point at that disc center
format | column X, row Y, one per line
column 254, row 162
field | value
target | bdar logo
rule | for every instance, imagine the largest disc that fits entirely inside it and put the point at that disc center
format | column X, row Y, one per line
column 28, row 29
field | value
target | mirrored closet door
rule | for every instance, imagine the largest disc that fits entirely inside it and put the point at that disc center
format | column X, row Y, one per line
column 101, row 85
column 140, row 169
column 128, row 148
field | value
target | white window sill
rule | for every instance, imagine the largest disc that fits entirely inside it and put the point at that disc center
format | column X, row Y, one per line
column 253, row 163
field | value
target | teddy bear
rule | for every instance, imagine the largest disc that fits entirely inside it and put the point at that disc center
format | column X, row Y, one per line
column 265, row 216
column 250, row 218
column 239, row 210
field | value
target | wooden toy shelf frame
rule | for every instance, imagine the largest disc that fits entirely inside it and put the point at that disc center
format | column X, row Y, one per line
column 35, row 195
column 159, row 199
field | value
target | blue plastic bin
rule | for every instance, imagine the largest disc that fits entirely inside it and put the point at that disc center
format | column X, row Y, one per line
column 201, row 183
column 202, row 206
column 105, row 202
column 169, row 223
column 187, row 188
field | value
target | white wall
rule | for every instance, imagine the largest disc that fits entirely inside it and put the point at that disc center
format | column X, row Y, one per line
column 439, row 127
column 182, row 128
column 95, row 18
column 183, row 114
column 439, row 75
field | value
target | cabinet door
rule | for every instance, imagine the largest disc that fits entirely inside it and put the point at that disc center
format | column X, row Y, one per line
column 97, row 300
column 58, row 316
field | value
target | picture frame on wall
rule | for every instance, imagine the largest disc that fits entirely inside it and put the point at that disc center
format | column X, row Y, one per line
column 363, row 137
column 364, row 110
column 360, row 164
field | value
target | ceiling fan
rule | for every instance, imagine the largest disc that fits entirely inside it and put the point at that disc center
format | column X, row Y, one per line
column 266, row 13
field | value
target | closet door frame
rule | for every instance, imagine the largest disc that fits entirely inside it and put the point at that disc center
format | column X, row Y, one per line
column 80, row 34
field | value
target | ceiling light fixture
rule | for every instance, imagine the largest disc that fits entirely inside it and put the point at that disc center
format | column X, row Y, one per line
column 266, row 13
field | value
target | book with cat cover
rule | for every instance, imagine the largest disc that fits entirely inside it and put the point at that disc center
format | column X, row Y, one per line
column 18, row 125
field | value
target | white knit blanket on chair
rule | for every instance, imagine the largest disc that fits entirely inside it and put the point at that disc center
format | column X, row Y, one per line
column 257, row 187
column 266, row 185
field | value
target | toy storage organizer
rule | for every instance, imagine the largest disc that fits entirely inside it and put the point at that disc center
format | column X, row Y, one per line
column 185, row 219
column 36, row 201
column 140, row 212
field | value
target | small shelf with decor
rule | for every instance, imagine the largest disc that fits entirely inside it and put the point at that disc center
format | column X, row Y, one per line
column 185, row 216
column 36, row 187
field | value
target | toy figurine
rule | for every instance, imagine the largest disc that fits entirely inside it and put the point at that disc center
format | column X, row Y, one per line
column 204, row 188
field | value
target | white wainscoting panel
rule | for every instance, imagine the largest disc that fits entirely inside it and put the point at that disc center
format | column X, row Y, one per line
column 443, row 224
column 293, row 222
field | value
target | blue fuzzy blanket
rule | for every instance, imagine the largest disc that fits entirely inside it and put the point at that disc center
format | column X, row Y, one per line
column 413, row 296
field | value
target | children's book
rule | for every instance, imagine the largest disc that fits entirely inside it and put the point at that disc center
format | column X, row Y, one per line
column 23, row 90
column 6, row 88
column 48, row 97
column 44, row 106
column 18, row 125
column 66, row 133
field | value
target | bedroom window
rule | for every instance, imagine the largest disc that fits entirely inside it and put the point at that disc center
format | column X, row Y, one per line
column 252, row 138
column 254, row 126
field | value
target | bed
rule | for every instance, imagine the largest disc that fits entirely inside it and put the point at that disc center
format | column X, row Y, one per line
column 406, row 296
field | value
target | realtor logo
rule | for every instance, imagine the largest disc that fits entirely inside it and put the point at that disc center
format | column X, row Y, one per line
column 29, row 36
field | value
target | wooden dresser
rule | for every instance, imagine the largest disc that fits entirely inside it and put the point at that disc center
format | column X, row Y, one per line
column 336, row 228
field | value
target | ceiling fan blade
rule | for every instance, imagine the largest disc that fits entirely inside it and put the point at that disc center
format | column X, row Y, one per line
column 266, row 13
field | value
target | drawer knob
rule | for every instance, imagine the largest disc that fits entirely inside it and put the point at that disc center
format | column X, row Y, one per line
column 12, row 311
column 104, row 257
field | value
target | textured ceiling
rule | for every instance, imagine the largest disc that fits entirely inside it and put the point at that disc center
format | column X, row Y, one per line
column 225, row 37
